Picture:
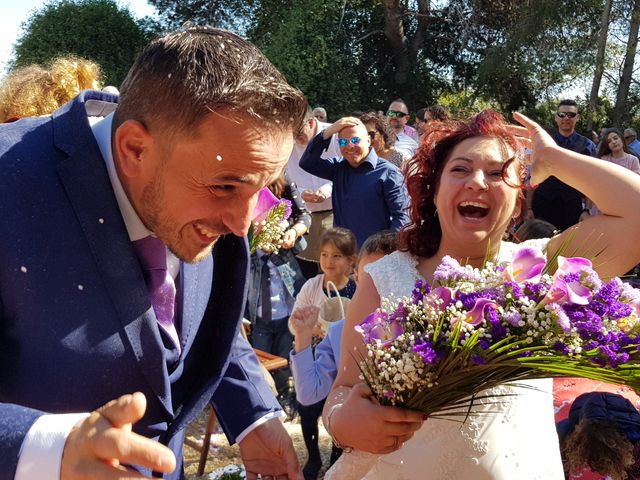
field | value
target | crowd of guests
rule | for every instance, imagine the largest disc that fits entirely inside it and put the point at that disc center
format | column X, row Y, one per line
column 347, row 183
column 356, row 169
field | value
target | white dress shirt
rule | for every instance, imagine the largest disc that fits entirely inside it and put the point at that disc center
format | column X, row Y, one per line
column 406, row 143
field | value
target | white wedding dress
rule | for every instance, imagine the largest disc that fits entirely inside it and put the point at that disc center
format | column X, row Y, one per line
column 519, row 442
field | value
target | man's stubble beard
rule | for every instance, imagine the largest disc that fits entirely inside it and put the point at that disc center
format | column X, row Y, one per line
column 153, row 204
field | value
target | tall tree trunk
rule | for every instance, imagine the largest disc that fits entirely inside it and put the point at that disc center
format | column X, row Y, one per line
column 421, row 32
column 599, row 70
column 621, row 111
column 396, row 36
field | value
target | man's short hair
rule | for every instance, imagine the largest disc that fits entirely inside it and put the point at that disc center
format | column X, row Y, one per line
column 568, row 102
column 181, row 77
column 399, row 100
column 321, row 111
column 630, row 131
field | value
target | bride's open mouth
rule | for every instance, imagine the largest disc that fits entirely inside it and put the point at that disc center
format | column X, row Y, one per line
column 473, row 210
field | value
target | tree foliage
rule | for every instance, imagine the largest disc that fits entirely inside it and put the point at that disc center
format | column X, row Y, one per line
column 229, row 14
column 99, row 30
column 360, row 54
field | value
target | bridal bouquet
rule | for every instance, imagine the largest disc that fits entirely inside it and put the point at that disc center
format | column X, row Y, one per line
column 474, row 329
column 269, row 222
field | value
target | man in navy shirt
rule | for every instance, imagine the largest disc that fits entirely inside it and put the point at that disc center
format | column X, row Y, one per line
column 368, row 192
column 631, row 139
column 555, row 201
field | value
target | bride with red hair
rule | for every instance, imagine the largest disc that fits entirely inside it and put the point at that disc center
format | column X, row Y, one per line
column 466, row 186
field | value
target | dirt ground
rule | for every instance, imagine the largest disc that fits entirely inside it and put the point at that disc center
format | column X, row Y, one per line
column 221, row 454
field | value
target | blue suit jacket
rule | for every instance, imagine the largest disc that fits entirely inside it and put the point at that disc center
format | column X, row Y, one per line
column 76, row 325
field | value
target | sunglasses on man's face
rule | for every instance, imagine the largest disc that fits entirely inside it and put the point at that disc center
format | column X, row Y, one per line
column 566, row 114
column 395, row 113
column 343, row 142
column 628, row 137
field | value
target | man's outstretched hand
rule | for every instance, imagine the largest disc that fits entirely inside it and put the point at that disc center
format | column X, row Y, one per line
column 98, row 446
column 268, row 451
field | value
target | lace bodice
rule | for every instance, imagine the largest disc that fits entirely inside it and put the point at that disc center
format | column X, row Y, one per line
column 396, row 274
column 518, row 441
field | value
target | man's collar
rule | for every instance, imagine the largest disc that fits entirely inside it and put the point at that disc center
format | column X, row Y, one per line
column 102, row 132
column 570, row 137
column 371, row 159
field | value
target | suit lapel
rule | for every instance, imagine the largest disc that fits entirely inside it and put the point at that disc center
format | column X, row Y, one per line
column 86, row 182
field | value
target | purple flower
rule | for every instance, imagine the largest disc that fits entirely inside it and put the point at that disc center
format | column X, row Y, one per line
column 450, row 271
column 419, row 291
column 379, row 328
column 527, row 264
column 266, row 201
column 571, row 265
column 439, row 298
column 535, row 291
column 560, row 347
column 512, row 317
column 287, row 207
column 567, row 292
column 476, row 314
column 496, row 329
column 426, row 352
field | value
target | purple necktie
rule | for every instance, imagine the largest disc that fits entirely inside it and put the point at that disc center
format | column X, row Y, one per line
column 152, row 254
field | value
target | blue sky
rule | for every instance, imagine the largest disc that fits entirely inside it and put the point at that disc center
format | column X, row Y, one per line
column 14, row 12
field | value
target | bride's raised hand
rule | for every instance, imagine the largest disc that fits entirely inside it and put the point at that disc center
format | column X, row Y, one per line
column 362, row 423
column 532, row 136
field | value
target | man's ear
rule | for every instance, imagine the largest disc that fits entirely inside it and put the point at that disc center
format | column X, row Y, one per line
column 130, row 141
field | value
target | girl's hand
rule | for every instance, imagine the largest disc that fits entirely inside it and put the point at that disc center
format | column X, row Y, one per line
column 533, row 136
column 303, row 320
column 289, row 238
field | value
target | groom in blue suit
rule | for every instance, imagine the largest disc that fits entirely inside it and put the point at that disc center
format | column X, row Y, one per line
column 202, row 123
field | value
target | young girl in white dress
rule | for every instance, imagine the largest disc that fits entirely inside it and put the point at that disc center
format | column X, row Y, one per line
column 465, row 188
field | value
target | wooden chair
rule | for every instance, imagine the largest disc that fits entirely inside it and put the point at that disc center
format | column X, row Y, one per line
column 269, row 362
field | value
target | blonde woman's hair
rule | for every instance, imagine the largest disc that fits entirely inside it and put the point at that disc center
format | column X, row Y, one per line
column 34, row 90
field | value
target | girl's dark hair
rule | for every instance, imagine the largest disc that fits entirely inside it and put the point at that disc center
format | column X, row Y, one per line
column 342, row 238
column 603, row 146
column 599, row 445
column 437, row 113
column 381, row 123
column 534, row 228
column 278, row 185
column 385, row 242
column 421, row 237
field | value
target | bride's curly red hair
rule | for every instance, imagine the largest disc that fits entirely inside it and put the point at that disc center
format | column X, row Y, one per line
column 421, row 237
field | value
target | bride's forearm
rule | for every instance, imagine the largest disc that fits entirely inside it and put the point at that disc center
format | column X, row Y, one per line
column 614, row 189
